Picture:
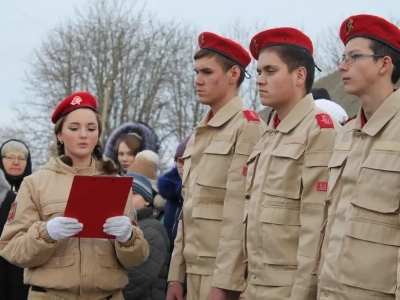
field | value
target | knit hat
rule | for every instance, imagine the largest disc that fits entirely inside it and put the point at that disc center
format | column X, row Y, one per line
column 145, row 163
column 181, row 147
column 333, row 109
column 320, row 93
column 141, row 185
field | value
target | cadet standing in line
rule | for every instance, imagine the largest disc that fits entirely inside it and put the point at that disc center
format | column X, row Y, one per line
column 362, row 236
column 287, row 176
column 208, row 246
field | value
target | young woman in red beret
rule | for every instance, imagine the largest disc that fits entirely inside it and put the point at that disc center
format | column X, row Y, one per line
column 37, row 236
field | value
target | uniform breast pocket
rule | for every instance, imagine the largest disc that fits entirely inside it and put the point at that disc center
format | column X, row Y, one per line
column 252, row 163
column 187, row 155
column 60, row 261
column 207, row 224
column 335, row 166
column 280, row 234
column 216, row 163
column 284, row 174
column 52, row 210
column 372, row 238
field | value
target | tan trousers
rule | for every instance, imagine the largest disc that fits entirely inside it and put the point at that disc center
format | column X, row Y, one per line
column 51, row 296
column 256, row 292
column 199, row 286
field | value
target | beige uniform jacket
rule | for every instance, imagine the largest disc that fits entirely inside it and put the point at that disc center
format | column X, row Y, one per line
column 286, row 185
column 91, row 268
column 362, row 234
column 210, row 233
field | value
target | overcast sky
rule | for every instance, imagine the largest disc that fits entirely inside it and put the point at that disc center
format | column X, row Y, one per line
column 24, row 23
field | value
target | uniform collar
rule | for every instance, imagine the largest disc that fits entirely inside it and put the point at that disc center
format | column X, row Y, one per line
column 381, row 117
column 224, row 114
column 296, row 114
column 91, row 170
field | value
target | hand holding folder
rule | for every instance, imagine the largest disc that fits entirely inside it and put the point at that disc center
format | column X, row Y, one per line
column 94, row 199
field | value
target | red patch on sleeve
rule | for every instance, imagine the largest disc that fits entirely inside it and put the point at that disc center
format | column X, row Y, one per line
column 11, row 214
column 244, row 171
column 324, row 121
column 251, row 115
column 322, row 186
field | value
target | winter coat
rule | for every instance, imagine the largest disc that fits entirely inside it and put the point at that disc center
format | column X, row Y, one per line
column 149, row 280
column 11, row 276
column 150, row 139
column 170, row 188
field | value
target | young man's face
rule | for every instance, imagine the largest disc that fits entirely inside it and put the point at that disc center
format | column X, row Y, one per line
column 275, row 83
column 211, row 80
column 358, row 77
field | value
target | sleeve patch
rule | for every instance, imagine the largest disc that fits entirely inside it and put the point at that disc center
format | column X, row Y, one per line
column 251, row 116
column 11, row 214
column 324, row 121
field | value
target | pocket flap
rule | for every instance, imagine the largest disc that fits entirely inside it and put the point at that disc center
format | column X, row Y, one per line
column 383, row 160
column 317, row 159
column 108, row 261
column 219, row 147
column 293, row 151
column 60, row 261
column 243, row 147
column 373, row 232
column 253, row 155
column 282, row 215
column 52, row 208
column 208, row 212
column 337, row 160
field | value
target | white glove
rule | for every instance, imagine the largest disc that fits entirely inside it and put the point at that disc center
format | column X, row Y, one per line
column 120, row 227
column 62, row 227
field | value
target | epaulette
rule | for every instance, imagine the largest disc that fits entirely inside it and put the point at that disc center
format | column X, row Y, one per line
column 251, row 115
column 324, row 121
column 350, row 118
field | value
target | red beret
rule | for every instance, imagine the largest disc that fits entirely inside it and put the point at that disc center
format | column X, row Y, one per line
column 72, row 102
column 372, row 27
column 225, row 47
column 278, row 37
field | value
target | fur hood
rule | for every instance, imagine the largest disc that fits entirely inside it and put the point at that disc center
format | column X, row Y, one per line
column 5, row 187
column 150, row 140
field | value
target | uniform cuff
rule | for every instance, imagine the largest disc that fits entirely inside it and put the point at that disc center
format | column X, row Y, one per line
column 44, row 234
column 131, row 241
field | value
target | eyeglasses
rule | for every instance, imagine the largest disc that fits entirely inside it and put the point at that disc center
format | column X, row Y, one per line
column 179, row 162
column 351, row 58
column 13, row 158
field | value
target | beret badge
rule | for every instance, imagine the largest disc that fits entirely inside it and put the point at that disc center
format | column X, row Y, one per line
column 349, row 26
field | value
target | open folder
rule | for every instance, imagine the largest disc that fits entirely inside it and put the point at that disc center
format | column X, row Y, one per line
column 94, row 199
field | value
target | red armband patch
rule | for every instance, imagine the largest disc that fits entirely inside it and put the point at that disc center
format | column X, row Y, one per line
column 324, row 121
column 251, row 116
column 322, row 186
column 11, row 214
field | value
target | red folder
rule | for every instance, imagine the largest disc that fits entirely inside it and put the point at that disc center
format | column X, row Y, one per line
column 94, row 199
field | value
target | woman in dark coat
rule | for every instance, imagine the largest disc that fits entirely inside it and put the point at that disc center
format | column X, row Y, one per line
column 15, row 164
column 127, row 140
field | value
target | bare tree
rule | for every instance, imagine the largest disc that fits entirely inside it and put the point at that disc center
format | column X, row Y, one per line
column 242, row 34
column 329, row 48
column 113, row 48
